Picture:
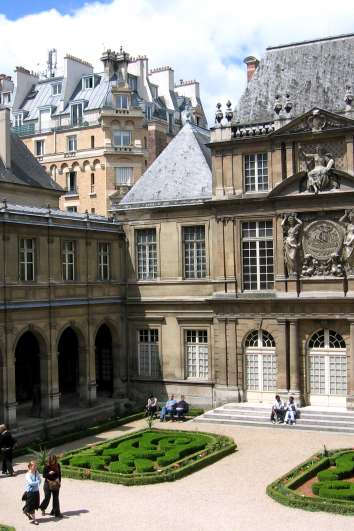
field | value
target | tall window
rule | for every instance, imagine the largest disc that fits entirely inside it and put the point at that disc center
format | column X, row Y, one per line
column 257, row 255
column 71, row 182
column 92, row 187
column 27, row 250
column 69, row 260
column 92, row 141
column 71, row 142
column 121, row 101
column 104, row 253
column 256, row 172
column 148, row 352
column 146, row 254
column 18, row 120
column 194, row 252
column 124, row 176
column 261, row 361
column 39, row 148
column 196, row 353
column 122, row 138
column 132, row 82
column 76, row 114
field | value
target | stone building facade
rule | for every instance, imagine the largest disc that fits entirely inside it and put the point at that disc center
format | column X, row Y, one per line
column 62, row 292
column 241, row 278
column 95, row 133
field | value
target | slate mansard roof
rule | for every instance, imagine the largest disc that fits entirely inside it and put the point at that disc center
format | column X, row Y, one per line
column 181, row 173
column 313, row 73
column 25, row 169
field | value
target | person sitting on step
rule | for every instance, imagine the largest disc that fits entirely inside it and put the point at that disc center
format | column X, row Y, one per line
column 290, row 416
column 277, row 414
column 168, row 409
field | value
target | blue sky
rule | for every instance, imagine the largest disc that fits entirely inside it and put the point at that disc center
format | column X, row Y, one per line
column 19, row 8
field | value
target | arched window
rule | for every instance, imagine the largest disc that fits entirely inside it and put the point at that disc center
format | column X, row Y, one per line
column 327, row 366
column 261, row 362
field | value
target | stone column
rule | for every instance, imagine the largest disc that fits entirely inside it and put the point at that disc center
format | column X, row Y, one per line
column 294, row 360
column 87, row 388
column 117, row 382
column 10, row 397
column 49, row 385
column 282, row 378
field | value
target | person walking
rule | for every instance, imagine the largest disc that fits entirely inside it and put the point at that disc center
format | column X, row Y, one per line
column 52, row 482
column 7, row 443
column 33, row 481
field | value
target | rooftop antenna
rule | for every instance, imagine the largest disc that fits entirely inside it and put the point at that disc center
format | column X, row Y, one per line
column 52, row 63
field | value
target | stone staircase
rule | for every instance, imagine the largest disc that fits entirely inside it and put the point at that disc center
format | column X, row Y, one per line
column 258, row 415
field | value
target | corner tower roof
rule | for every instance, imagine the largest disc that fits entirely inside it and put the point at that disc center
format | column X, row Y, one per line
column 304, row 70
column 181, row 174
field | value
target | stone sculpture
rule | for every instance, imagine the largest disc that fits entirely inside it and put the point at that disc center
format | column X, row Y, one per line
column 348, row 244
column 320, row 165
column 292, row 244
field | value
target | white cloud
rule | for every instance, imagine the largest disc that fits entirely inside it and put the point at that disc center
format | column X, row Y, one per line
column 200, row 39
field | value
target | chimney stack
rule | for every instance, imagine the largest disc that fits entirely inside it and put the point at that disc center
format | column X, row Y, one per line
column 5, row 138
column 252, row 64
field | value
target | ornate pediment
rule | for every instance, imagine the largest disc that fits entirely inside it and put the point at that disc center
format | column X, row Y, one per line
column 315, row 121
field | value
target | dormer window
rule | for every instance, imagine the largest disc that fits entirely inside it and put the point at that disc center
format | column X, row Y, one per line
column 133, row 83
column 5, row 97
column 121, row 101
column 87, row 82
column 18, row 120
column 56, row 88
column 256, row 172
column 76, row 112
column 148, row 112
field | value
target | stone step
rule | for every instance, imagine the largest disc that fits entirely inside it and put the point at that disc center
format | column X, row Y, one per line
column 264, row 424
column 254, row 415
column 303, row 414
column 300, row 421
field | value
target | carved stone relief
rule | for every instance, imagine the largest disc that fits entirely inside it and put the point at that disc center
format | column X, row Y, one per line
column 321, row 247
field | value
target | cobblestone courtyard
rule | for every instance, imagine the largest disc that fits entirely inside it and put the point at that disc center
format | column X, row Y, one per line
column 226, row 496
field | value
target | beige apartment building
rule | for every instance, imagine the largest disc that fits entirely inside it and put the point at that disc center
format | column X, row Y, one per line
column 96, row 133
column 241, row 246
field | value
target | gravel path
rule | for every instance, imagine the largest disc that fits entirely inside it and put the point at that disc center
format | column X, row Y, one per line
column 226, row 496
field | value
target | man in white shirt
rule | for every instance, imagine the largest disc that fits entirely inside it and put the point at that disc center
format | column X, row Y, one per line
column 277, row 415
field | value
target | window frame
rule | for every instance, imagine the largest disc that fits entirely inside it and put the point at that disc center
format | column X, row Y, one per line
column 23, row 276
column 55, row 86
column 200, row 376
column 258, row 249
column 195, row 241
column 39, row 142
column 69, row 139
column 69, row 175
column 122, row 133
column 84, row 82
column 79, row 121
column 129, row 180
column 261, row 181
column 151, row 273
column 66, row 264
column 149, row 330
column 100, row 265
column 118, row 100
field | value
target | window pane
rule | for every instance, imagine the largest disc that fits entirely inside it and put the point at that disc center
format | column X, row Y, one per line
column 196, row 354
column 146, row 253
column 194, row 252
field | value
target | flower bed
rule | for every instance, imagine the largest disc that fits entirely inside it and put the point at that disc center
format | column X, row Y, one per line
column 329, row 492
column 146, row 456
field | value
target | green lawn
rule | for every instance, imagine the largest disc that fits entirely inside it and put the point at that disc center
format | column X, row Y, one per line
column 146, row 456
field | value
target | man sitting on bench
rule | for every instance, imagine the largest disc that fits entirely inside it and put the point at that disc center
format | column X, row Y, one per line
column 168, row 409
column 181, row 408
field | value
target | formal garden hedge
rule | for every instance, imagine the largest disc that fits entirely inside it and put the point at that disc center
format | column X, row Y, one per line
column 4, row 527
column 329, row 491
column 146, row 456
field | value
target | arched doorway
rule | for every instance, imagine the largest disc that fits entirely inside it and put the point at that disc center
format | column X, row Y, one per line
column 68, row 362
column 27, row 371
column 104, row 363
column 327, row 369
column 261, row 366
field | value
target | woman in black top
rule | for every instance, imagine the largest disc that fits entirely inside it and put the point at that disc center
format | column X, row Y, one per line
column 52, row 477
column 7, row 443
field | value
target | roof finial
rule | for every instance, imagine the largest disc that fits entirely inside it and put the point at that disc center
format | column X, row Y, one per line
column 229, row 112
column 219, row 115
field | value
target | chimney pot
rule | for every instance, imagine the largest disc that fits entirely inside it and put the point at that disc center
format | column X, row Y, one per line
column 252, row 64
